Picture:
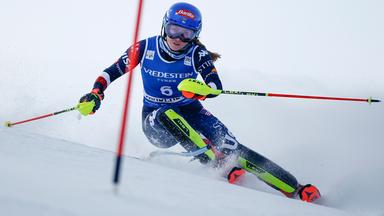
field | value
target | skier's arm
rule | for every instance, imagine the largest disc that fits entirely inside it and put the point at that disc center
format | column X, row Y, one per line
column 109, row 75
column 204, row 65
column 117, row 69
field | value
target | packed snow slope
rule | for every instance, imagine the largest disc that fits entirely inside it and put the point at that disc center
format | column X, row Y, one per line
column 45, row 176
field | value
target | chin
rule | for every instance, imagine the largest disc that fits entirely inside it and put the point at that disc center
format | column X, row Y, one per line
column 175, row 48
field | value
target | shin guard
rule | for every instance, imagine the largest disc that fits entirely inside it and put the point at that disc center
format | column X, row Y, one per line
column 185, row 134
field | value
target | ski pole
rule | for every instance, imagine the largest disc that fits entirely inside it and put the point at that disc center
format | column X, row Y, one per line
column 84, row 105
column 10, row 124
column 194, row 86
column 369, row 100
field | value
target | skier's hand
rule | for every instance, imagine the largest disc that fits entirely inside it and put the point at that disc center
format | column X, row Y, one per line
column 192, row 88
column 89, row 103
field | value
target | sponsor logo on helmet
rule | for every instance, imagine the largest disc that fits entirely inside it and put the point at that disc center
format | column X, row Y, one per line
column 185, row 13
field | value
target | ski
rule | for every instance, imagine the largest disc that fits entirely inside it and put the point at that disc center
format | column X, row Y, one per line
column 182, row 154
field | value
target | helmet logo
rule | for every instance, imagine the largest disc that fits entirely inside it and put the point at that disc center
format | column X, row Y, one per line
column 185, row 13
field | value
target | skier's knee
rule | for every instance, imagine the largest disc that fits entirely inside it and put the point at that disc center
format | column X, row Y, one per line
column 222, row 138
column 230, row 143
column 155, row 131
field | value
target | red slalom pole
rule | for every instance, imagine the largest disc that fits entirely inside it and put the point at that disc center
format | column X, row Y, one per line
column 133, row 59
column 368, row 100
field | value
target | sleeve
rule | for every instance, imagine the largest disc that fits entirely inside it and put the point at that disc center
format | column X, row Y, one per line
column 118, row 68
column 205, row 67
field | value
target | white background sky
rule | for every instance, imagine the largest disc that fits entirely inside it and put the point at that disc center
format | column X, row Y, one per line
column 52, row 51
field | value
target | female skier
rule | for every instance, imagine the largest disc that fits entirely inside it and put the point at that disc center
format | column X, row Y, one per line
column 169, row 116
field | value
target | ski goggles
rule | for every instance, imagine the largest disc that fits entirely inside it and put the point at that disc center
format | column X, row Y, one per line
column 174, row 31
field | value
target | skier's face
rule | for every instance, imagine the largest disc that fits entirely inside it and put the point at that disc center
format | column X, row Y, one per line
column 175, row 44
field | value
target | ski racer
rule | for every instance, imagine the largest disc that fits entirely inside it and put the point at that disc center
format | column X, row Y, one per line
column 170, row 116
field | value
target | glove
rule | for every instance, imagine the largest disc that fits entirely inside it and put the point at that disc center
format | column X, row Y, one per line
column 89, row 103
column 192, row 88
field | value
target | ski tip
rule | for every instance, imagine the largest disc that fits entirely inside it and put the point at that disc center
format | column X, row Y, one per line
column 8, row 124
column 309, row 193
column 235, row 174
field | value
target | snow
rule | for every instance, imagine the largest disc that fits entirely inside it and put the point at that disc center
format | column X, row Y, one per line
column 46, row 176
column 52, row 51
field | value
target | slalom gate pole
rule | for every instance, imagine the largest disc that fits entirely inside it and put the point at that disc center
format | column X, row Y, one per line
column 368, row 100
column 10, row 124
column 133, row 59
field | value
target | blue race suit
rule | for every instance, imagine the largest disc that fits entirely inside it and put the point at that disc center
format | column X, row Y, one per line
column 161, row 73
